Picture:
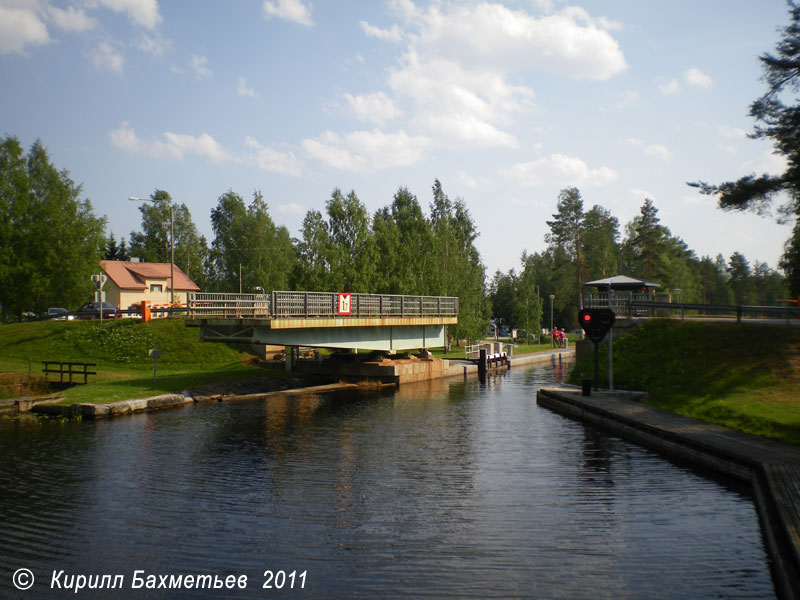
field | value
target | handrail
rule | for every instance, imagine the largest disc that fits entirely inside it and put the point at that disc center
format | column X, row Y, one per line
column 629, row 307
column 290, row 304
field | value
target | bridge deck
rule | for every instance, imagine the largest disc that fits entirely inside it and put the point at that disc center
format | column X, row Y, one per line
column 324, row 319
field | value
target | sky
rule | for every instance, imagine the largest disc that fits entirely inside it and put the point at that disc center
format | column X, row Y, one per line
column 505, row 102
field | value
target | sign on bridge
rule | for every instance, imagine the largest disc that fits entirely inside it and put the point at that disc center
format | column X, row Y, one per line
column 345, row 303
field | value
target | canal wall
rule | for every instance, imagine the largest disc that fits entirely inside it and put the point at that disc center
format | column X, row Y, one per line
column 771, row 468
column 412, row 369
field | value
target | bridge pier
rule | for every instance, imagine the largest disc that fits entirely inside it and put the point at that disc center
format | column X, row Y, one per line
column 290, row 357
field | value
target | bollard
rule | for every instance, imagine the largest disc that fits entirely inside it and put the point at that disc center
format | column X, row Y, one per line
column 482, row 364
column 587, row 387
column 146, row 311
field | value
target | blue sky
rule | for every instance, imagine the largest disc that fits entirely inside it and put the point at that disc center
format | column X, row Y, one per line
column 506, row 103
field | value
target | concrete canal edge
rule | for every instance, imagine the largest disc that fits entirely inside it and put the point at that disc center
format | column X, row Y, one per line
column 110, row 409
column 770, row 468
column 122, row 407
column 550, row 357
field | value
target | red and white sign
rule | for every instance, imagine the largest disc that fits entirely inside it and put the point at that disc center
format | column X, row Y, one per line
column 344, row 303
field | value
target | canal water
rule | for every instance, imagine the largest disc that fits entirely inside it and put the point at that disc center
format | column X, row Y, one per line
column 448, row 489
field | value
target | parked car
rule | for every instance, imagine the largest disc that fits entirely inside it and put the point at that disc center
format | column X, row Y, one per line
column 92, row 311
column 58, row 314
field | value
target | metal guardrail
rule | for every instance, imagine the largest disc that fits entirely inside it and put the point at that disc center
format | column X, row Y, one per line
column 643, row 308
column 317, row 304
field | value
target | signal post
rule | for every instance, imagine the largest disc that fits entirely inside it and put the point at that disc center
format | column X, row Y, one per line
column 596, row 322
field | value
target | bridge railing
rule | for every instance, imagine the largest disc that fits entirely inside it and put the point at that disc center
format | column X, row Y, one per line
column 229, row 306
column 283, row 304
column 632, row 307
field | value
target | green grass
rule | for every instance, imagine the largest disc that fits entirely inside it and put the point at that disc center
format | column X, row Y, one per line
column 120, row 349
column 744, row 376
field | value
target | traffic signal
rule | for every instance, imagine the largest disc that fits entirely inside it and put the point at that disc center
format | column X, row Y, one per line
column 596, row 322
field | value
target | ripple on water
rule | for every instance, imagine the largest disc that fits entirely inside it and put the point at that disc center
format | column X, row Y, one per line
column 449, row 489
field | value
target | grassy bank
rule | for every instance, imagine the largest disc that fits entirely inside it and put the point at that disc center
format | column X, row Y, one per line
column 746, row 377
column 120, row 349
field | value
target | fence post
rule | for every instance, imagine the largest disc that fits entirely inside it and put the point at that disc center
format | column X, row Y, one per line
column 738, row 314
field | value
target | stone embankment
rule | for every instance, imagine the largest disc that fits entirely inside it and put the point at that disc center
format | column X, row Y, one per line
column 262, row 387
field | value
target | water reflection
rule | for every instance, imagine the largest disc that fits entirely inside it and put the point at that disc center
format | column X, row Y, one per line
column 452, row 488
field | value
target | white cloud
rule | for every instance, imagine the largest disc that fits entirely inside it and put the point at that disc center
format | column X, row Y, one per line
column 731, row 132
column 72, row 20
column 729, row 149
column 639, row 195
column 766, row 162
column 126, row 139
column 19, row 28
column 243, row 90
column 292, row 208
column 199, row 65
column 695, row 77
column 155, row 44
column 376, row 107
column 268, row 159
column 697, row 200
column 463, row 129
column 625, row 99
column 559, row 170
column 106, row 58
column 658, row 151
column 175, row 147
column 367, row 151
column 458, row 79
column 468, row 180
column 669, row 88
column 569, row 42
column 393, row 34
column 202, row 145
column 459, row 104
column 141, row 12
column 291, row 10
column 462, row 64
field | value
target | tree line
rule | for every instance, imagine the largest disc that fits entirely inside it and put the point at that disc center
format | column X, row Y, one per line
column 585, row 245
column 51, row 242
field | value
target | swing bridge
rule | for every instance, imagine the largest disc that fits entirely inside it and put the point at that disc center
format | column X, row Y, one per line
column 343, row 320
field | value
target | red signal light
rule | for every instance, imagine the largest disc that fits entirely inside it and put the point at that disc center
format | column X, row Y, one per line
column 587, row 318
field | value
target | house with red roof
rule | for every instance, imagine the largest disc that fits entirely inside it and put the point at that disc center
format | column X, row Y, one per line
column 130, row 282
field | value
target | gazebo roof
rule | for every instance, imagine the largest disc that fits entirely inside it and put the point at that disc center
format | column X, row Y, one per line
column 622, row 282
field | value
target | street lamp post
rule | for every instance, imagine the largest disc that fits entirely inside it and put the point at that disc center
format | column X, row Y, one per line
column 552, row 339
column 171, row 248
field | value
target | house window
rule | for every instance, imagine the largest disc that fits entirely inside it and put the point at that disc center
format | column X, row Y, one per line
column 155, row 287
